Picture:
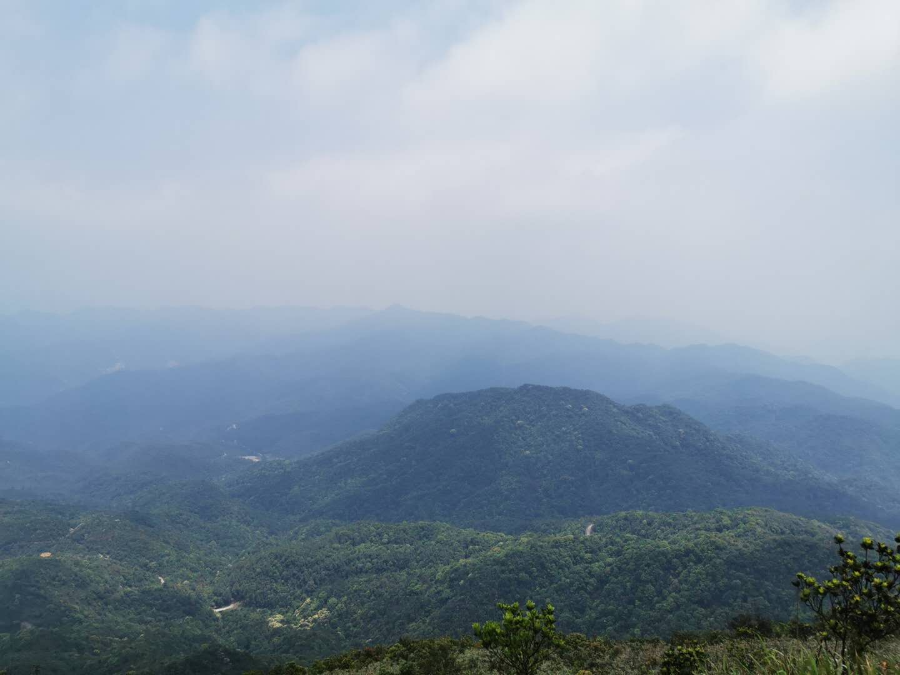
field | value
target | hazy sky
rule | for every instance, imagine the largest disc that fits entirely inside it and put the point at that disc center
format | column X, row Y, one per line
column 733, row 164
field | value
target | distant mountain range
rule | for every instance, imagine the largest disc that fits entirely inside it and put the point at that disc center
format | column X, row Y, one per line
column 43, row 354
column 883, row 373
column 352, row 377
column 397, row 473
column 663, row 332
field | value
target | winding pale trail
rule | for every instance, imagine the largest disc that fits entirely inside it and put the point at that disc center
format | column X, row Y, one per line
column 226, row 608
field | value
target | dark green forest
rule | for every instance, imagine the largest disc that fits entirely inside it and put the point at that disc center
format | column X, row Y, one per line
column 503, row 458
column 124, row 591
column 611, row 512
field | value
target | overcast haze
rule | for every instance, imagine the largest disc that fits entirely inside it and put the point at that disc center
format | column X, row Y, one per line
column 734, row 165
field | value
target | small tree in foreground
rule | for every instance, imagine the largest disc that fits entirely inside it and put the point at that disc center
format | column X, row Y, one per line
column 860, row 604
column 685, row 659
column 522, row 641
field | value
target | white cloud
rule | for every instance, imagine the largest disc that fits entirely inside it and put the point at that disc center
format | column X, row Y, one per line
column 349, row 67
column 707, row 157
column 222, row 53
column 135, row 51
column 841, row 44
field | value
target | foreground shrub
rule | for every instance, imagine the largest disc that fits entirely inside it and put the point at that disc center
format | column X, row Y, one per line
column 522, row 641
column 684, row 659
column 583, row 654
column 860, row 604
column 359, row 658
column 439, row 656
column 752, row 625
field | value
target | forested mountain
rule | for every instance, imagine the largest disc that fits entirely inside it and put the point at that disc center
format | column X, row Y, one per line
column 851, row 439
column 339, row 382
column 401, row 429
column 376, row 582
column 502, row 459
column 288, row 552
column 134, row 590
column 28, row 472
column 97, row 592
column 112, row 474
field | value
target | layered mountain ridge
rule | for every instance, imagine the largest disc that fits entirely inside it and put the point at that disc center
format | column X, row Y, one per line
column 505, row 458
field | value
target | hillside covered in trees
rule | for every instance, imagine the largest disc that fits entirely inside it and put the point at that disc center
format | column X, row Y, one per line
column 614, row 513
column 230, row 516
column 503, row 458
column 123, row 591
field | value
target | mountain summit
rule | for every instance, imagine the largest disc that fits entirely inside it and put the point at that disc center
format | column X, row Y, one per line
column 503, row 458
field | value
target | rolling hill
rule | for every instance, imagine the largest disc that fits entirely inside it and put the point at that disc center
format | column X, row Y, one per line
column 109, row 475
column 136, row 590
column 503, row 459
column 377, row 582
column 329, row 385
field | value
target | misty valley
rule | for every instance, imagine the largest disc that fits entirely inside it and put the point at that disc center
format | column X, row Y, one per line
column 319, row 491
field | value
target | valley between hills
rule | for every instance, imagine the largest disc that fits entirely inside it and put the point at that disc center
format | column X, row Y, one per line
column 412, row 471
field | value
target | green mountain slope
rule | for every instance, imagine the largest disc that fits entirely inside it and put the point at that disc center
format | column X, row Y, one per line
column 638, row 573
column 136, row 590
column 110, row 475
column 501, row 459
column 108, row 592
column 850, row 439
